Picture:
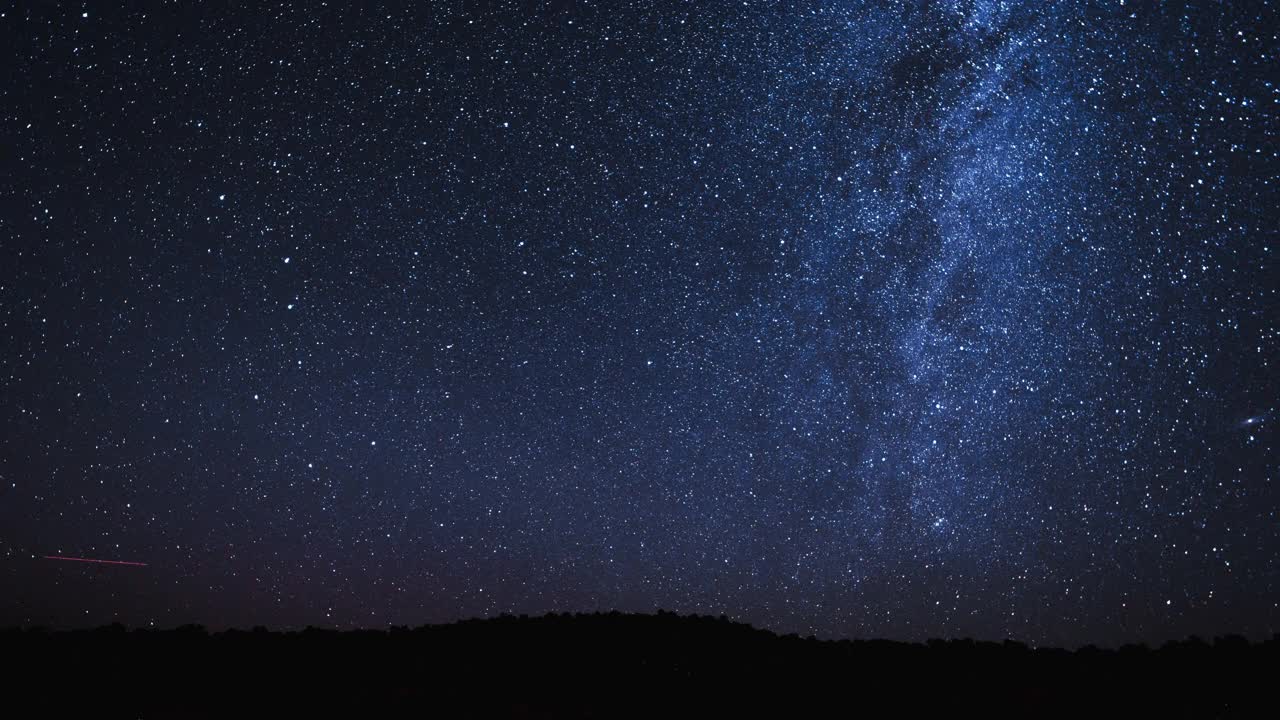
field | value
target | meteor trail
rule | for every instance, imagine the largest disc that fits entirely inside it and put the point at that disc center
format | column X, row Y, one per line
column 92, row 560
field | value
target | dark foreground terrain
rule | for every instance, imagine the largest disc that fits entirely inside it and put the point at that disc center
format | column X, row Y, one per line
column 614, row 666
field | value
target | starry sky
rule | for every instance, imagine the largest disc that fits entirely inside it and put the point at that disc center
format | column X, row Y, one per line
column 863, row 319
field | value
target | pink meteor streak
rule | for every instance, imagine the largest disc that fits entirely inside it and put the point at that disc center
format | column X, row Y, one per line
column 91, row 560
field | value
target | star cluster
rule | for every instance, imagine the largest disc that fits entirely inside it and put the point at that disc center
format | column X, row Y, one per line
column 862, row 319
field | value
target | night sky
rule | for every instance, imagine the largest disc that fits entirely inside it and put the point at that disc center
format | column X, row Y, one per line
column 906, row 320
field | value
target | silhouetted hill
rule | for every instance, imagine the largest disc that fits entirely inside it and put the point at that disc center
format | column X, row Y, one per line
column 614, row 665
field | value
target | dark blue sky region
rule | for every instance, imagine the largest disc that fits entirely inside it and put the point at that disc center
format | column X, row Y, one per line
column 862, row 319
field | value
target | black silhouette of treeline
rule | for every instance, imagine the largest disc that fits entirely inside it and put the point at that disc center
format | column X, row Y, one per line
column 616, row 665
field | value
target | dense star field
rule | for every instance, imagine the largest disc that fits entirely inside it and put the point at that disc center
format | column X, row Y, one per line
column 863, row 319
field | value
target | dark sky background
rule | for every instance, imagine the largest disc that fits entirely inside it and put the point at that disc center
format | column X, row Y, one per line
column 863, row 319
